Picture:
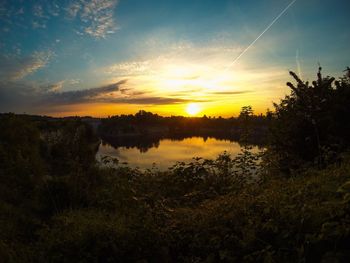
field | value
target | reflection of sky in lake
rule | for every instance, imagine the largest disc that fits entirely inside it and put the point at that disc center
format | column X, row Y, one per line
column 170, row 151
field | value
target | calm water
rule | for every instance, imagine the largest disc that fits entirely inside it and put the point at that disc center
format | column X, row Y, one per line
column 167, row 152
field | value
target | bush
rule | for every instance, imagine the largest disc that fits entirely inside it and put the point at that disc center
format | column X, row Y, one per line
column 312, row 123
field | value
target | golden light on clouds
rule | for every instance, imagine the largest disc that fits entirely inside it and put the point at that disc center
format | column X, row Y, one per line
column 198, row 76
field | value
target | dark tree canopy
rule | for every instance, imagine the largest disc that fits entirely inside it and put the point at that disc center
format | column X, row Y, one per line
column 312, row 123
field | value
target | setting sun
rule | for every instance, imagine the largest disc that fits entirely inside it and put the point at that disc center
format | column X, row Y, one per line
column 193, row 109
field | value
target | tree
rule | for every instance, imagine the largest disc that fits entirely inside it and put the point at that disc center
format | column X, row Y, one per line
column 246, row 161
column 312, row 123
column 245, row 120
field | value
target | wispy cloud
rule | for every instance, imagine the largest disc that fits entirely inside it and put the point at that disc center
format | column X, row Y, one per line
column 42, row 13
column 151, row 100
column 81, row 96
column 38, row 11
column 113, row 93
column 53, row 87
column 97, row 16
column 15, row 68
column 74, row 81
column 53, row 8
column 161, row 55
column 30, row 95
column 188, row 71
column 130, row 68
column 231, row 92
column 37, row 24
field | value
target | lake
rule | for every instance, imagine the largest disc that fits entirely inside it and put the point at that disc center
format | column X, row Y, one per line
column 166, row 152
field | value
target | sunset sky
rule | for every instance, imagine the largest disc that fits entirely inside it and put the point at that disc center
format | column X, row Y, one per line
column 107, row 57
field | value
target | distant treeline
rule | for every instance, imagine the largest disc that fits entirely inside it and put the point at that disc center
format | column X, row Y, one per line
column 146, row 124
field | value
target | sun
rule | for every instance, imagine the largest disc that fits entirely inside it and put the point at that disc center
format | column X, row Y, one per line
column 193, row 109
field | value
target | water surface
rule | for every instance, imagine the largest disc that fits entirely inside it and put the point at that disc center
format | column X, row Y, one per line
column 167, row 152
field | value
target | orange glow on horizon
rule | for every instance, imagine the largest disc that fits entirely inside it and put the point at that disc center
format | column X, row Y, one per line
column 192, row 109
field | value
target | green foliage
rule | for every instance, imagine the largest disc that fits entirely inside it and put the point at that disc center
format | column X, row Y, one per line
column 312, row 123
column 20, row 161
column 92, row 236
column 279, row 220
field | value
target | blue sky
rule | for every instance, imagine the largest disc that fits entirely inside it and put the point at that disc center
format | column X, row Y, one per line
column 90, row 57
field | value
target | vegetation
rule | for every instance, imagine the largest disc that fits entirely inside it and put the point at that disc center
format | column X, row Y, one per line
column 154, row 127
column 312, row 123
column 58, row 205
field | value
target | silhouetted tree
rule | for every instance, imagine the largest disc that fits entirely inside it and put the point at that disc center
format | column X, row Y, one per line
column 312, row 123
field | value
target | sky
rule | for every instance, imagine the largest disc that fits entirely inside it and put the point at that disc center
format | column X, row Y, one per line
column 111, row 57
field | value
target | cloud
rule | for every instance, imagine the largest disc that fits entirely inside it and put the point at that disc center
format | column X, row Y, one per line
column 38, row 11
column 42, row 13
column 53, row 8
column 130, row 68
column 81, row 96
column 14, row 68
column 54, row 87
column 73, row 9
column 149, row 100
column 138, row 93
column 25, row 95
column 160, row 57
column 20, row 96
column 36, row 24
column 73, row 81
column 97, row 16
column 113, row 93
column 231, row 92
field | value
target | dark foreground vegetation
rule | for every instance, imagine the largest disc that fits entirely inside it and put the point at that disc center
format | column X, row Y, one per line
column 290, row 205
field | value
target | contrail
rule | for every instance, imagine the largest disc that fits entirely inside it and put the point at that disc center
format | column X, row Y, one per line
column 262, row 33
